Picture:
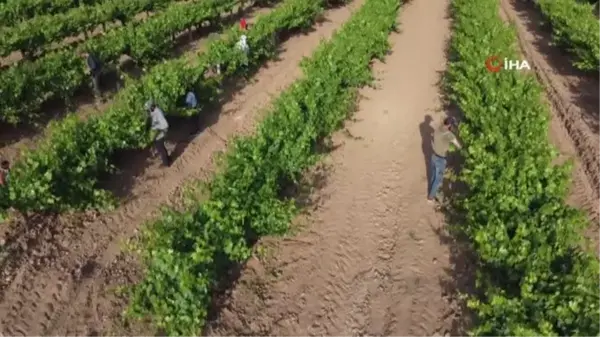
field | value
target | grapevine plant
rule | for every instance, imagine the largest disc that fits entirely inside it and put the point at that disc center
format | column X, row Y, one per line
column 535, row 273
column 186, row 251
column 29, row 36
column 576, row 28
column 13, row 12
column 62, row 172
column 25, row 86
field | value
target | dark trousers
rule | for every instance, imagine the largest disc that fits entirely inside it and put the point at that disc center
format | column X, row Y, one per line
column 96, row 84
column 159, row 145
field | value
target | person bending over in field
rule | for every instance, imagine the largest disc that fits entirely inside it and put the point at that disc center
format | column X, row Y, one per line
column 95, row 68
column 160, row 126
column 442, row 138
column 191, row 102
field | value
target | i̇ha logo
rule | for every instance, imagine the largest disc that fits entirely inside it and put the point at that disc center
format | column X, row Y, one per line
column 494, row 64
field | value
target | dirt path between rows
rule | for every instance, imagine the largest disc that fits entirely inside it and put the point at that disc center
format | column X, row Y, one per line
column 62, row 294
column 371, row 260
column 573, row 97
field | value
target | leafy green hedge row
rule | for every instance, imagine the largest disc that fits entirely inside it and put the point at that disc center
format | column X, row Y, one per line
column 575, row 27
column 187, row 251
column 15, row 11
column 32, row 35
column 534, row 275
column 62, row 172
column 25, row 86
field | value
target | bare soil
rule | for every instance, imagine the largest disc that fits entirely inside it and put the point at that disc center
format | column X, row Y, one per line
column 372, row 257
column 574, row 101
column 60, row 275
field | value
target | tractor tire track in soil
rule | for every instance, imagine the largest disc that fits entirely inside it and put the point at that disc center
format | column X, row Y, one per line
column 74, row 292
column 573, row 97
column 372, row 259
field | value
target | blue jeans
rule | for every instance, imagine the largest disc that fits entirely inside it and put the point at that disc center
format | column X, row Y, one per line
column 438, row 165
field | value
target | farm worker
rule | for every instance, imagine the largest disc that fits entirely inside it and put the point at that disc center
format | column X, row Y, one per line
column 95, row 68
column 242, row 45
column 4, row 172
column 442, row 138
column 243, row 24
column 190, row 100
column 160, row 125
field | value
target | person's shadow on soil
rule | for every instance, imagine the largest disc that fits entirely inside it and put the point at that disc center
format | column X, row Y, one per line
column 426, row 131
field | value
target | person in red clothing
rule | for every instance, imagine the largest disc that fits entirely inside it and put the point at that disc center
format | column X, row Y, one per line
column 243, row 24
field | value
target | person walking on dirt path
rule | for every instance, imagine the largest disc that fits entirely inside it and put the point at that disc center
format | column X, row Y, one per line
column 160, row 126
column 95, row 69
column 243, row 24
column 442, row 138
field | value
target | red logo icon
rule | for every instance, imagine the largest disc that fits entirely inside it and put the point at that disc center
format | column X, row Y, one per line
column 494, row 64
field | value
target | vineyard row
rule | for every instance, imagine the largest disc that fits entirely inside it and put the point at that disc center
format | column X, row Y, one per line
column 40, row 32
column 576, row 28
column 62, row 172
column 13, row 12
column 26, row 86
column 186, row 252
column 536, row 276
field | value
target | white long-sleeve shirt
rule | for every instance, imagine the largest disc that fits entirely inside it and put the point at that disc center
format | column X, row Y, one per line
column 242, row 44
column 159, row 122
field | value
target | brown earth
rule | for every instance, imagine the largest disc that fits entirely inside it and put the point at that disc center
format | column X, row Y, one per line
column 367, row 261
column 64, row 269
column 573, row 98
column 372, row 256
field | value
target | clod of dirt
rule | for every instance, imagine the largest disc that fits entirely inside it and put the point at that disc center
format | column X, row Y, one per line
column 85, row 271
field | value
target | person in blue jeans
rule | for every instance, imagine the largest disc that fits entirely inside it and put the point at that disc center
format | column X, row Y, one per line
column 442, row 138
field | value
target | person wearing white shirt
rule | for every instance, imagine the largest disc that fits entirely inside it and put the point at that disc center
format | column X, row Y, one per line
column 242, row 45
column 160, row 125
